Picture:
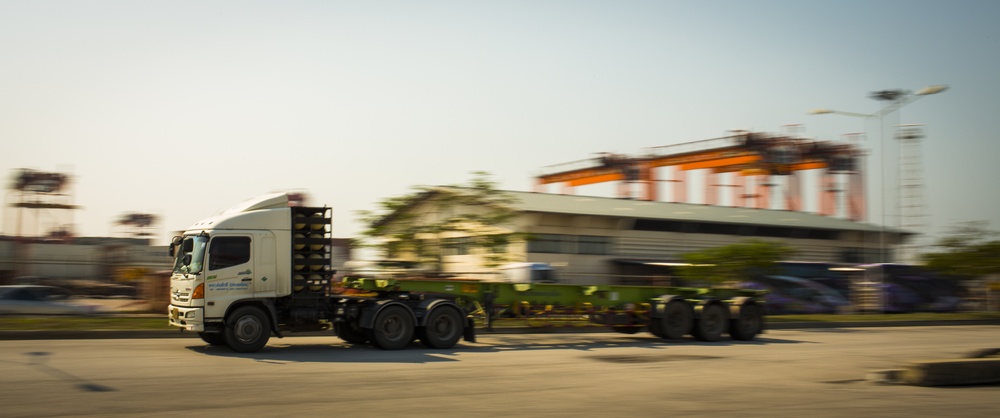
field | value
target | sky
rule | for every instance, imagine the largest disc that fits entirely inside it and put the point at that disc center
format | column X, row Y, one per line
column 183, row 108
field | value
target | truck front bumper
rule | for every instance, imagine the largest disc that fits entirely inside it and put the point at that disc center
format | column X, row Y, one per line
column 191, row 319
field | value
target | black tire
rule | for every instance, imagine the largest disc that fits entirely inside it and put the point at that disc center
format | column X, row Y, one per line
column 678, row 319
column 627, row 329
column 714, row 321
column 350, row 332
column 748, row 322
column 393, row 328
column 213, row 338
column 443, row 329
column 247, row 330
column 656, row 327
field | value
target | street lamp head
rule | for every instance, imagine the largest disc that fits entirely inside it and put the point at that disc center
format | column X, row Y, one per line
column 820, row 111
column 888, row 95
column 935, row 89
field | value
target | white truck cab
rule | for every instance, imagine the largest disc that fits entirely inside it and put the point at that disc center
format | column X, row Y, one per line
column 229, row 258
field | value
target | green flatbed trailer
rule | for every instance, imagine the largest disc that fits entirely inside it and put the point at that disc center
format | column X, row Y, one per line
column 667, row 312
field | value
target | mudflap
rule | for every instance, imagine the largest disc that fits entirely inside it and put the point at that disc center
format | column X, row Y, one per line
column 469, row 335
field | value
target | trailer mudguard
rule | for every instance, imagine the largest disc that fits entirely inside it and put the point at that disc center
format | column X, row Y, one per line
column 659, row 303
column 700, row 306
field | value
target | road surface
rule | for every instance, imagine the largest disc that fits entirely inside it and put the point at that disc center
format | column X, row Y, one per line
column 814, row 372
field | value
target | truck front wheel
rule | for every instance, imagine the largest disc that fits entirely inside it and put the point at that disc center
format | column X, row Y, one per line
column 213, row 338
column 247, row 330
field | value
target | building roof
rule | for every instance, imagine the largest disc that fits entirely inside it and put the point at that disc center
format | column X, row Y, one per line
column 641, row 209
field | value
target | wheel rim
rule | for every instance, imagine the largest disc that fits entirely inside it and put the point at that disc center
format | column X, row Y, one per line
column 248, row 329
column 749, row 320
column 712, row 321
column 392, row 327
column 444, row 326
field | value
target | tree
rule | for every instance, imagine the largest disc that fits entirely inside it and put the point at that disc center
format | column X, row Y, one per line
column 421, row 224
column 969, row 251
column 735, row 261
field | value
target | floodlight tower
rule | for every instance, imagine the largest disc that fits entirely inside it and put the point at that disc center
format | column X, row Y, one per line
column 912, row 211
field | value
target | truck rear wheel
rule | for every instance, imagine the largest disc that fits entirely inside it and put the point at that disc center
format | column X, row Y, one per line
column 350, row 332
column 247, row 330
column 443, row 328
column 713, row 322
column 393, row 329
column 677, row 321
column 748, row 323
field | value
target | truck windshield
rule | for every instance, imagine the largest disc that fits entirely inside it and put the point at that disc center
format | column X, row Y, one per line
column 191, row 254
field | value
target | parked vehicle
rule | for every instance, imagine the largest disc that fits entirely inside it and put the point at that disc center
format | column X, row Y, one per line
column 39, row 300
column 794, row 295
column 906, row 288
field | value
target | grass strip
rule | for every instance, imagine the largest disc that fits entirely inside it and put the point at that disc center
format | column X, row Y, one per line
column 76, row 323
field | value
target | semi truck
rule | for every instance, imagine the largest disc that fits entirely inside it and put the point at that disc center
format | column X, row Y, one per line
column 263, row 268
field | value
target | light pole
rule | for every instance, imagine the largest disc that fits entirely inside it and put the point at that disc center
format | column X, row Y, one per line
column 894, row 100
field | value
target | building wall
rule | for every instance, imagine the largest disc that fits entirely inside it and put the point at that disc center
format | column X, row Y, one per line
column 80, row 261
column 626, row 243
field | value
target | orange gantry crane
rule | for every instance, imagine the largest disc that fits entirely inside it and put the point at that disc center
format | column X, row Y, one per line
column 752, row 158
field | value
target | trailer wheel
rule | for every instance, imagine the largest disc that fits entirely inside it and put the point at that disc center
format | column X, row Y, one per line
column 713, row 322
column 748, row 322
column 678, row 319
column 393, row 328
column 213, row 338
column 443, row 328
column 247, row 330
column 656, row 327
column 350, row 332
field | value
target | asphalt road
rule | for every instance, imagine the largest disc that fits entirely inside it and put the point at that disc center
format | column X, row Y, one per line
column 814, row 372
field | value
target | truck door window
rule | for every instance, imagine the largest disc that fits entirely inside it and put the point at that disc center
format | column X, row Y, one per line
column 228, row 251
column 191, row 254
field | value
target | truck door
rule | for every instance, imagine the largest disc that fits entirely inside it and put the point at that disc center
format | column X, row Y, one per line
column 265, row 277
column 230, row 274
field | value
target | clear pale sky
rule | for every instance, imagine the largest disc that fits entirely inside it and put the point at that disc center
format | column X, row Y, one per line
column 183, row 108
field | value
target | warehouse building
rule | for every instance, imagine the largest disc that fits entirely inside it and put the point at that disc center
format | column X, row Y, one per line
column 599, row 240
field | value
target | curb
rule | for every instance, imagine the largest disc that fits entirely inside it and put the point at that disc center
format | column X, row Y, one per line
column 881, row 324
column 966, row 371
column 980, row 367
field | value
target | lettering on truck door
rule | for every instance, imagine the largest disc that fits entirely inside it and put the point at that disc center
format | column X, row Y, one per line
column 230, row 273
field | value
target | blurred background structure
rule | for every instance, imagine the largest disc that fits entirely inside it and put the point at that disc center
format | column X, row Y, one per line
column 746, row 169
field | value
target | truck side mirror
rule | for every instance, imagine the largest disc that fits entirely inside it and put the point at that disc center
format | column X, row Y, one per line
column 174, row 242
